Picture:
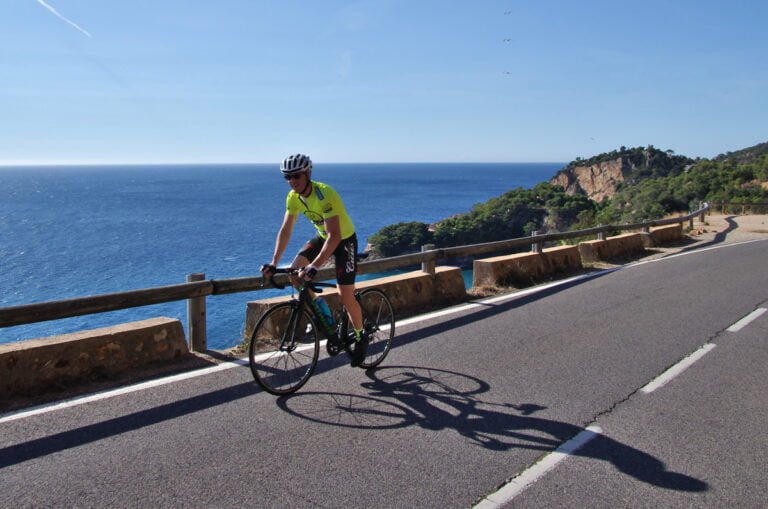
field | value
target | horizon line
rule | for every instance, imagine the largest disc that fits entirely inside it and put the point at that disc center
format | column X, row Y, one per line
column 69, row 165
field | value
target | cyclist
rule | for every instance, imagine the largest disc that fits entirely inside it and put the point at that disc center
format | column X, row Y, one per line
column 321, row 204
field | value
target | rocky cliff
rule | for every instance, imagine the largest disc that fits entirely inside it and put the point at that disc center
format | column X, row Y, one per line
column 600, row 176
column 596, row 181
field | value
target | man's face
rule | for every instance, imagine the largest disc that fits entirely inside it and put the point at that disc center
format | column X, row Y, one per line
column 298, row 181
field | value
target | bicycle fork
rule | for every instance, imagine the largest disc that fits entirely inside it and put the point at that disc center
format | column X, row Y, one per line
column 288, row 339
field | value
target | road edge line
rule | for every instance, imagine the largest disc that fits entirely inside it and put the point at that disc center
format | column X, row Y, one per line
column 538, row 470
column 671, row 373
column 754, row 315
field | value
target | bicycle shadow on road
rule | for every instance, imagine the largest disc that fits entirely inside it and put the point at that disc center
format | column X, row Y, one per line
column 434, row 399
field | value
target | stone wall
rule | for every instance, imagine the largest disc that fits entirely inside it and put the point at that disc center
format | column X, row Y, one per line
column 528, row 268
column 524, row 268
column 28, row 367
column 666, row 234
column 612, row 248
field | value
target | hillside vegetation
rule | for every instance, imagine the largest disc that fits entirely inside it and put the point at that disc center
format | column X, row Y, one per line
column 707, row 180
column 652, row 183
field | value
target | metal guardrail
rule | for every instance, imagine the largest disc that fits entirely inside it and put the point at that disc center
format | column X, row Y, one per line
column 740, row 207
column 198, row 288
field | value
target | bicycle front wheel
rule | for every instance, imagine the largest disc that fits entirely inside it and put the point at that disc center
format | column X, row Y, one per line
column 284, row 348
column 379, row 324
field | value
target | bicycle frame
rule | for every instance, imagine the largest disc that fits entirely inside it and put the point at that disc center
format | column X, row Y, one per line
column 304, row 300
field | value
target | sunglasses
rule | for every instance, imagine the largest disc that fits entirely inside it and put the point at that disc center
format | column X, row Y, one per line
column 293, row 176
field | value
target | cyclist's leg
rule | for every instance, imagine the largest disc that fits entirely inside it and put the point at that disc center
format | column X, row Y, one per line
column 355, row 313
column 345, row 257
column 303, row 258
column 346, row 270
column 299, row 261
column 347, row 294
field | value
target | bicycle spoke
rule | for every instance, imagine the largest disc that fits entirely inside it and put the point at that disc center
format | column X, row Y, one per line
column 284, row 349
column 380, row 325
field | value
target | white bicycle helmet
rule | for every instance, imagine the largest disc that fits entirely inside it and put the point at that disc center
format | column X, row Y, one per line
column 296, row 163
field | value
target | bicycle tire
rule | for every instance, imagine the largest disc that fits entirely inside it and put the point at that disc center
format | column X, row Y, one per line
column 344, row 410
column 284, row 348
column 379, row 324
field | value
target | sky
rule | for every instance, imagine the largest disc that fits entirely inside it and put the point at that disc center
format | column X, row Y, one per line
column 252, row 81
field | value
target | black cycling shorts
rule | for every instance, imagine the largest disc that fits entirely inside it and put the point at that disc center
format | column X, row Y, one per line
column 345, row 257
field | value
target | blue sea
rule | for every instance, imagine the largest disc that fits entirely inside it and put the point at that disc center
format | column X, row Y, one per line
column 71, row 231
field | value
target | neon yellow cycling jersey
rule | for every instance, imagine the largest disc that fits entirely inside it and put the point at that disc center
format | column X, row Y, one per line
column 322, row 203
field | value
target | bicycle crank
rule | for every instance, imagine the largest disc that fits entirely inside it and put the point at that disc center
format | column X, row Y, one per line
column 333, row 348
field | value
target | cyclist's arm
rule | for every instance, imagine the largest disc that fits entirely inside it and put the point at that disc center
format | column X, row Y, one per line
column 283, row 237
column 333, row 227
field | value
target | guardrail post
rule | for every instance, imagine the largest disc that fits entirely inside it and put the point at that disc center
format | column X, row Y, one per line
column 428, row 267
column 198, row 336
column 536, row 247
column 601, row 233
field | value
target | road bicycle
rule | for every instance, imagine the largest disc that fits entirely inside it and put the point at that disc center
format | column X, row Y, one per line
column 285, row 344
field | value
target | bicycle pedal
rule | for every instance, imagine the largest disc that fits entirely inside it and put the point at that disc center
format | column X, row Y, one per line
column 332, row 348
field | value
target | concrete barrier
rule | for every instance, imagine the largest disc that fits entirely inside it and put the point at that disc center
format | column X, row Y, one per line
column 411, row 293
column 666, row 234
column 33, row 366
column 562, row 258
column 611, row 248
column 528, row 268
column 524, row 268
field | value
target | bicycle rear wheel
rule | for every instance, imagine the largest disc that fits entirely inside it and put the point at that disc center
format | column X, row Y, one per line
column 284, row 348
column 379, row 324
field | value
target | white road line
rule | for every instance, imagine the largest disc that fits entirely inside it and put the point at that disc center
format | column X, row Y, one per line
column 81, row 400
column 736, row 327
column 695, row 251
column 678, row 368
column 536, row 471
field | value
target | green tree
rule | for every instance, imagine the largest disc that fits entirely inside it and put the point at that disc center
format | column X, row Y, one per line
column 401, row 238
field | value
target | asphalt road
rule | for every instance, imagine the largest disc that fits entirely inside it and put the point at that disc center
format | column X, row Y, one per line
column 465, row 402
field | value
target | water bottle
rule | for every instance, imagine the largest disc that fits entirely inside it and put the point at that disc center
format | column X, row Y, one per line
column 324, row 311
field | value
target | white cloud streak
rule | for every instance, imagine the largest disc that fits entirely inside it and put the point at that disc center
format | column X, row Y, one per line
column 63, row 18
